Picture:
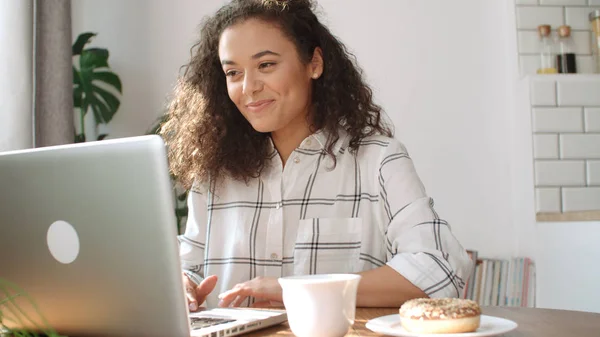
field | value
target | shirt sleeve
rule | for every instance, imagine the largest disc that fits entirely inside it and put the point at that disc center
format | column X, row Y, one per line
column 192, row 242
column 420, row 245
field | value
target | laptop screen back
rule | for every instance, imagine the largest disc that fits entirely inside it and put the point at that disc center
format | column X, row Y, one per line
column 88, row 231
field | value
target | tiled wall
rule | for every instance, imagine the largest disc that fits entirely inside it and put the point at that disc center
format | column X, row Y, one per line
column 565, row 112
column 532, row 13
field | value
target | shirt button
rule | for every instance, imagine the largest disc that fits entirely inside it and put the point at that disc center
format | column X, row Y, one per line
column 308, row 142
column 278, row 205
column 296, row 160
column 274, row 256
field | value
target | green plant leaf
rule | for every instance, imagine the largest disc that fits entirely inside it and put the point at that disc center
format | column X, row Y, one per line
column 111, row 101
column 80, row 138
column 77, row 90
column 109, row 78
column 76, row 77
column 107, row 104
column 102, row 136
column 77, row 93
column 102, row 98
column 99, row 109
column 14, row 296
column 81, row 41
column 94, row 67
column 93, row 58
column 85, row 106
column 181, row 212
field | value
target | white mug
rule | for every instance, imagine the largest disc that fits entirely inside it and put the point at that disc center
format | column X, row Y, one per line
column 320, row 305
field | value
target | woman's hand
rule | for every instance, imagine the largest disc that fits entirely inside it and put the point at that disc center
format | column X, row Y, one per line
column 196, row 295
column 266, row 291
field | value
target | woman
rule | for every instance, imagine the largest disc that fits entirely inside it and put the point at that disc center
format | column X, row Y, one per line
column 292, row 170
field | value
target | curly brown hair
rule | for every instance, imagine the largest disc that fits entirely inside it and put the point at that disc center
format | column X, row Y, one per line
column 208, row 137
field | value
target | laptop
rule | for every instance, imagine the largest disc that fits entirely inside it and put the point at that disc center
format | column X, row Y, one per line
column 88, row 234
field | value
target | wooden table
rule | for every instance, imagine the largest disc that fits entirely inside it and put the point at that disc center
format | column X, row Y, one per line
column 532, row 322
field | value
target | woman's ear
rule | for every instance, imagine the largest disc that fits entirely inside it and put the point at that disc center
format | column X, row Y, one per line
column 316, row 64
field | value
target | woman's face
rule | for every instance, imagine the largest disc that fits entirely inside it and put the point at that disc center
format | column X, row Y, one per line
column 266, row 78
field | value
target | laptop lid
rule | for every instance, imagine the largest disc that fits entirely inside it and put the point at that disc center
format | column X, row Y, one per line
column 88, row 231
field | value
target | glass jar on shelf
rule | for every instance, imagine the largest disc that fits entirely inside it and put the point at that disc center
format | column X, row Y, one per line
column 565, row 52
column 595, row 23
column 546, row 51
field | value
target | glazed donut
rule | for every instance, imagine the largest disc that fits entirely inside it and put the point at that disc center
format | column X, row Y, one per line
column 440, row 315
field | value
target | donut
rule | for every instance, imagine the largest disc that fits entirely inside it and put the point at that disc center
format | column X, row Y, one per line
column 440, row 315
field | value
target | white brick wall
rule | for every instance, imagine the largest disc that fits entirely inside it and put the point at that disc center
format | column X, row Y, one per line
column 563, row 2
column 580, row 198
column 593, row 172
column 565, row 112
column 592, row 119
column 560, row 173
column 548, row 199
column 532, row 13
column 578, row 91
column 558, row 119
column 545, row 146
column 580, row 146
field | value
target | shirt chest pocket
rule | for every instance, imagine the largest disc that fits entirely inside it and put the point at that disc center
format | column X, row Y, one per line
column 327, row 245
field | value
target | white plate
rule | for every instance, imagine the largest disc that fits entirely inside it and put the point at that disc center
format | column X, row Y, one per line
column 489, row 326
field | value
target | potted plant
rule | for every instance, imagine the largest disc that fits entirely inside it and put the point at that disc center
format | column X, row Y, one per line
column 95, row 86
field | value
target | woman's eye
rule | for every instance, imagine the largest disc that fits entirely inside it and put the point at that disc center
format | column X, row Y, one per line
column 231, row 73
column 266, row 65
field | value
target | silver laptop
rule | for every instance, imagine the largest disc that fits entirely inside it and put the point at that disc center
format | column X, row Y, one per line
column 88, row 232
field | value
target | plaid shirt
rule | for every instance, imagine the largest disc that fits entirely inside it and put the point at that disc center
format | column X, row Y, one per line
column 311, row 217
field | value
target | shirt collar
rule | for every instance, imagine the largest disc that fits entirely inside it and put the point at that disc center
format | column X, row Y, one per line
column 318, row 141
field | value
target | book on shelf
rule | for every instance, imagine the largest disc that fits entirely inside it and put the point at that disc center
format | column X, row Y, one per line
column 501, row 282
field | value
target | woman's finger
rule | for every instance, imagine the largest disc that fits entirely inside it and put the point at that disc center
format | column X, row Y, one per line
column 191, row 298
column 229, row 296
column 205, row 288
column 190, row 293
column 238, row 301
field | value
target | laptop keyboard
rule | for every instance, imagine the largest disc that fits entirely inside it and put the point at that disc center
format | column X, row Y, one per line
column 203, row 322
